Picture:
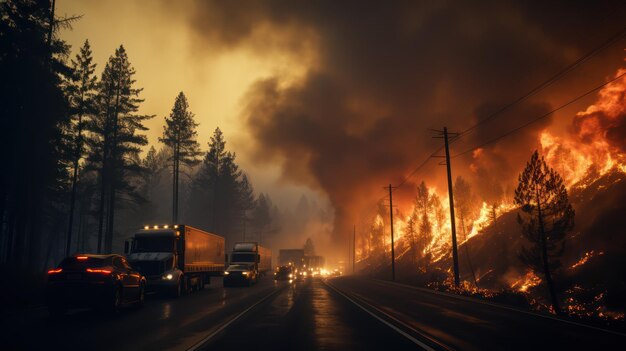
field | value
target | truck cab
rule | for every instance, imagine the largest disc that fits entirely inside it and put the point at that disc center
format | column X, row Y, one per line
column 155, row 254
column 176, row 258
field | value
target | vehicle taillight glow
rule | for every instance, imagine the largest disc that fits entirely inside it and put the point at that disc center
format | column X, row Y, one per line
column 54, row 271
column 103, row 271
column 81, row 257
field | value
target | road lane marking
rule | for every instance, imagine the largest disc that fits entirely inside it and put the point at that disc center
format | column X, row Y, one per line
column 477, row 300
column 395, row 328
column 201, row 343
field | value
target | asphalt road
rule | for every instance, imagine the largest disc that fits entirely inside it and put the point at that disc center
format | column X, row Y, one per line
column 162, row 324
column 347, row 313
column 309, row 315
column 468, row 324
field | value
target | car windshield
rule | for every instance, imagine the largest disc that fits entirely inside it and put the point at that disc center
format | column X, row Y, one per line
column 154, row 244
column 84, row 262
column 238, row 267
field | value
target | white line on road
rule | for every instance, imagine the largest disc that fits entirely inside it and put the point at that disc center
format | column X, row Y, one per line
column 199, row 344
column 398, row 330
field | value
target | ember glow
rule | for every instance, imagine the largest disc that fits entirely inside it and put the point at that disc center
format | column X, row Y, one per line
column 529, row 280
column 585, row 258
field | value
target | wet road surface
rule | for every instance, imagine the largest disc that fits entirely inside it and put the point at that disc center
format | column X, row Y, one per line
column 346, row 313
column 309, row 315
column 467, row 324
column 162, row 324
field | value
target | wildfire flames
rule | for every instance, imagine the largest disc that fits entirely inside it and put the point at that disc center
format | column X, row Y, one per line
column 592, row 148
column 526, row 282
column 586, row 258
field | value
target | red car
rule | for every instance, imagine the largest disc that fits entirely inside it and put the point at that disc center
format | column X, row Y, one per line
column 98, row 281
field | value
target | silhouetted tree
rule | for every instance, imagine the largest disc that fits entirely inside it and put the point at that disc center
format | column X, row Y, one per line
column 246, row 202
column 215, row 195
column 261, row 217
column 114, row 138
column 33, row 110
column 80, row 90
column 309, row 248
column 411, row 234
column 179, row 135
column 546, row 217
column 421, row 212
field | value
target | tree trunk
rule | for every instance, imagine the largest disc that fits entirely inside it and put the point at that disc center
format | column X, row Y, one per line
column 544, row 257
column 77, row 153
column 469, row 260
column 108, row 238
column 101, row 204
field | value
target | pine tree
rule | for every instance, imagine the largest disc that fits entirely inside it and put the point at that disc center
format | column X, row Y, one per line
column 179, row 134
column 422, row 210
column 463, row 205
column 309, row 248
column 546, row 217
column 246, row 202
column 261, row 217
column 32, row 110
column 215, row 196
column 80, row 90
column 114, row 138
column 411, row 234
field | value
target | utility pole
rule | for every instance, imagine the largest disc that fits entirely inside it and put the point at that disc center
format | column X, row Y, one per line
column 455, row 257
column 393, row 256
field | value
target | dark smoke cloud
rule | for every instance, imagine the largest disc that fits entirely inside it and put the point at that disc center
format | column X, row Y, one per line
column 385, row 72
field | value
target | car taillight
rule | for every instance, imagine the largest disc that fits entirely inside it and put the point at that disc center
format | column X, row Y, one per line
column 54, row 271
column 101, row 271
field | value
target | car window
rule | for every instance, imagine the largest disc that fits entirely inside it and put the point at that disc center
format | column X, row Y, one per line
column 117, row 262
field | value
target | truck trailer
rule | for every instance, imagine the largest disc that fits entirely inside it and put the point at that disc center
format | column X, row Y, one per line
column 251, row 253
column 291, row 257
column 176, row 258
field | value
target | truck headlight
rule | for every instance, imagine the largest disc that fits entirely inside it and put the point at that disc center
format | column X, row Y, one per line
column 168, row 276
column 245, row 273
column 226, row 273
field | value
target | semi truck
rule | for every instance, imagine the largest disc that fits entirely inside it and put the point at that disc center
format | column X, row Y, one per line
column 251, row 253
column 177, row 258
column 291, row 257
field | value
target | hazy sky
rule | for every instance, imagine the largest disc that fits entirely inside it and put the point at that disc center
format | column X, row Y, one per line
column 164, row 52
column 339, row 96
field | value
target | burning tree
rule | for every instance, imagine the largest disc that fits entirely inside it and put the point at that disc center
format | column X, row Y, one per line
column 422, row 208
column 546, row 217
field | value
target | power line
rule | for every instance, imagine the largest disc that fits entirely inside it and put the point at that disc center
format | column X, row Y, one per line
column 532, row 92
column 550, row 80
column 540, row 117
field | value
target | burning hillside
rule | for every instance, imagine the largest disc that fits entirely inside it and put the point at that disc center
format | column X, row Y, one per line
column 591, row 159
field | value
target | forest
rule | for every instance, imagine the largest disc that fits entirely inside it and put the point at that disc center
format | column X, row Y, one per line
column 77, row 173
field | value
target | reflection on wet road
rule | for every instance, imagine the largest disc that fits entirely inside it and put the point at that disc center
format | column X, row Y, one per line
column 309, row 316
column 163, row 323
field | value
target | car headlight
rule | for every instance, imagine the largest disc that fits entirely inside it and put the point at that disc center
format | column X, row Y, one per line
column 245, row 273
column 226, row 273
column 168, row 276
